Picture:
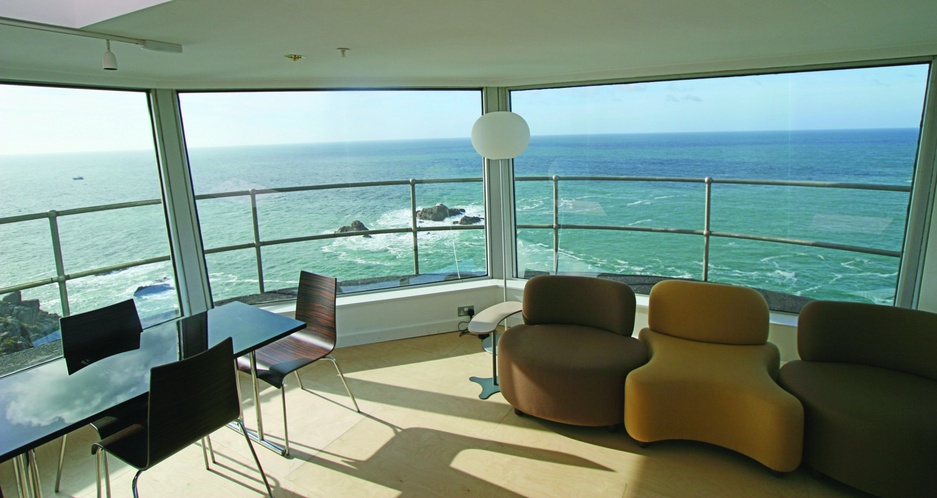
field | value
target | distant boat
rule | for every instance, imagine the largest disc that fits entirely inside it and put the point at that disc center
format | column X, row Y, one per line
column 78, row 178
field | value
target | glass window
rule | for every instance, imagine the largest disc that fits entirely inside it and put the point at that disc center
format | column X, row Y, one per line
column 284, row 182
column 81, row 187
column 810, row 181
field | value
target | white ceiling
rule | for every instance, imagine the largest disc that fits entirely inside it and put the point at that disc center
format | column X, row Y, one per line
column 467, row 43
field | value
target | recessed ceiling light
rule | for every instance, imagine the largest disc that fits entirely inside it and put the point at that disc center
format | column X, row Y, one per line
column 294, row 57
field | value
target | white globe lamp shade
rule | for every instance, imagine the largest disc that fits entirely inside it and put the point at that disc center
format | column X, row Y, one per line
column 500, row 135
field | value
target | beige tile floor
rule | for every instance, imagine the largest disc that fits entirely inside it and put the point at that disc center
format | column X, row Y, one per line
column 423, row 431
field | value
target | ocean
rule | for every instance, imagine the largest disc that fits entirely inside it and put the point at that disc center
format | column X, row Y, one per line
column 873, row 219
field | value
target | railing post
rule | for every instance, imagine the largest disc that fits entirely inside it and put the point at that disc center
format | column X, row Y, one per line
column 258, row 257
column 556, row 224
column 707, row 212
column 416, row 245
column 59, row 261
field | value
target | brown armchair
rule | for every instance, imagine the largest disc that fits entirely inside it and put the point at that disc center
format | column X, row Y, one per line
column 867, row 378
column 568, row 361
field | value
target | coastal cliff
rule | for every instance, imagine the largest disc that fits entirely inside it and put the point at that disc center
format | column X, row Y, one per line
column 22, row 322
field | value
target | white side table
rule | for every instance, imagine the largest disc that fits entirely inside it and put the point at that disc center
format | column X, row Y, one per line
column 487, row 322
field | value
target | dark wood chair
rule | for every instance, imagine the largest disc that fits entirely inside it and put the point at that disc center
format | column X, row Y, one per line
column 315, row 305
column 188, row 400
column 92, row 336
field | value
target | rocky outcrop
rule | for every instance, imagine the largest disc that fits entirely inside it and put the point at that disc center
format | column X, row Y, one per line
column 467, row 220
column 439, row 212
column 22, row 322
column 356, row 226
column 163, row 285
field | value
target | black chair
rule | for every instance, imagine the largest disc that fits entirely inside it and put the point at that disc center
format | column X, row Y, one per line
column 188, row 400
column 315, row 305
column 90, row 337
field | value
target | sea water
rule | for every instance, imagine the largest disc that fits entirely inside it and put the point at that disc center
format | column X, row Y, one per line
column 873, row 219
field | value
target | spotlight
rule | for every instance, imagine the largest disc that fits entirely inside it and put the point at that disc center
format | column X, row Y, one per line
column 109, row 62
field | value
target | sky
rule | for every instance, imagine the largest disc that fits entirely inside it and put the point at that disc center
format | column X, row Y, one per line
column 55, row 120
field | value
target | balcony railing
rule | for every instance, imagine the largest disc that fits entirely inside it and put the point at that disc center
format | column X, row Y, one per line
column 61, row 277
column 706, row 231
column 414, row 229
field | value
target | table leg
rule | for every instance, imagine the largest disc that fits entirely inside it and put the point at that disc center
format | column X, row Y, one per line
column 260, row 420
column 258, row 435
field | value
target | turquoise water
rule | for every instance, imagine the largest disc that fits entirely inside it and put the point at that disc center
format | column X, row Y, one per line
column 862, row 218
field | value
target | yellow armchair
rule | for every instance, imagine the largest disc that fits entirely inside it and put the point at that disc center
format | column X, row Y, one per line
column 711, row 375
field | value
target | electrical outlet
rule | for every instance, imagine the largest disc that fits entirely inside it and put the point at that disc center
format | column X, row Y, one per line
column 466, row 310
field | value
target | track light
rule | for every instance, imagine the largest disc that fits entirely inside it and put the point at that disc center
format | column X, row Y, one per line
column 109, row 62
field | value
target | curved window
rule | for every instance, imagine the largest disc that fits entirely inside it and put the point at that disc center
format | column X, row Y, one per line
column 796, row 184
column 341, row 183
column 82, row 223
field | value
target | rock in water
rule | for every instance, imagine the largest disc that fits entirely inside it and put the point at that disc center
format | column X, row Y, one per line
column 356, row 226
column 467, row 220
column 438, row 212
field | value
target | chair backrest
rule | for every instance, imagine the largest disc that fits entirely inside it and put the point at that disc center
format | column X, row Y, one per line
column 95, row 335
column 708, row 312
column 190, row 399
column 315, row 305
column 572, row 300
column 869, row 334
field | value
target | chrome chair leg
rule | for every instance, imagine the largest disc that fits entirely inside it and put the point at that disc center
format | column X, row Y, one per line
column 237, row 382
column 205, row 453
column 134, row 484
column 211, row 450
column 33, row 471
column 342, row 376
column 107, row 475
column 256, row 460
column 97, row 469
column 99, row 456
column 26, row 469
column 286, row 433
column 58, row 473
column 19, row 471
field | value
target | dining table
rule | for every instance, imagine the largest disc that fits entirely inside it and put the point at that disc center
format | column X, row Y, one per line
column 44, row 402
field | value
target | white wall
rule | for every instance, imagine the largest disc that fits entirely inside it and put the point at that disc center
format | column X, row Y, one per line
column 431, row 310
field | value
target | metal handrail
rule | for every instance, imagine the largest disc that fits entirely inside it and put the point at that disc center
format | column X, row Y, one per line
column 258, row 243
column 706, row 232
column 61, row 276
